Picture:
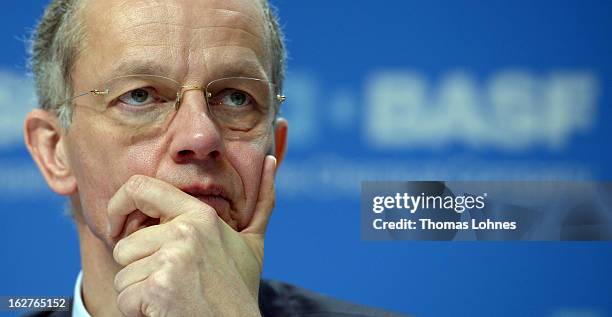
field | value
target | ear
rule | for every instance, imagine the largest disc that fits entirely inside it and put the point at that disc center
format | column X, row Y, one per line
column 280, row 139
column 44, row 139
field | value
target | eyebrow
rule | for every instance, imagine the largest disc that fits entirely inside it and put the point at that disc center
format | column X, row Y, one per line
column 149, row 67
column 238, row 68
column 226, row 68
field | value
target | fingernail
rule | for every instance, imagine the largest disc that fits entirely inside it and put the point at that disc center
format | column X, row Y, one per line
column 273, row 159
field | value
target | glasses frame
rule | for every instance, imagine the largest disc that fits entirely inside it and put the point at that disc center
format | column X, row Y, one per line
column 280, row 98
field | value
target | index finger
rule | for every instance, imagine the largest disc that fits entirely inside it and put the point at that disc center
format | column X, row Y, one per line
column 265, row 199
column 151, row 196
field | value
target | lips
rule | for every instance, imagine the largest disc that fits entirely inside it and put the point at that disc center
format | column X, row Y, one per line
column 212, row 195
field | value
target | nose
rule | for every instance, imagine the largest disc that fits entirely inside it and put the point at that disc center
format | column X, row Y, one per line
column 194, row 134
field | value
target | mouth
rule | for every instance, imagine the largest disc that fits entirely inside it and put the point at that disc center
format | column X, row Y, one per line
column 212, row 195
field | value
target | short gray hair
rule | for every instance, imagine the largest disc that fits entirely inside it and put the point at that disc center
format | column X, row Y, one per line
column 56, row 44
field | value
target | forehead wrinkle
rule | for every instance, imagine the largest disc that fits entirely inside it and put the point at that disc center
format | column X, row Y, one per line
column 234, row 12
column 230, row 19
column 126, row 8
column 125, row 17
column 254, row 8
column 202, row 42
column 205, row 31
column 200, row 51
column 226, row 14
column 113, row 29
column 232, row 22
column 178, row 16
column 256, row 37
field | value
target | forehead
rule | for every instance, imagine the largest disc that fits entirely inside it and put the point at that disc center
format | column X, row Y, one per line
column 185, row 39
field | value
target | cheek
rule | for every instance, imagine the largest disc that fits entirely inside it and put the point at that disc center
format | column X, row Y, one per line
column 101, row 166
column 96, row 170
column 143, row 158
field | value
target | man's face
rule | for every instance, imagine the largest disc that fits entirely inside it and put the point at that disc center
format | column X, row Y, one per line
column 192, row 42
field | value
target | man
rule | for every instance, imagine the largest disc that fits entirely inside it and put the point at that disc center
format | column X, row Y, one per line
column 159, row 122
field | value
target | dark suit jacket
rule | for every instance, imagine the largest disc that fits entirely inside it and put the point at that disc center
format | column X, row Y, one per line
column 278, row 299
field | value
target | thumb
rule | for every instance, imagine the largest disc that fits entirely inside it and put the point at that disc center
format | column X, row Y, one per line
column 265, row 199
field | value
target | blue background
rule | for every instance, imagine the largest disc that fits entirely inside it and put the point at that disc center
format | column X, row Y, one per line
column 346, row 57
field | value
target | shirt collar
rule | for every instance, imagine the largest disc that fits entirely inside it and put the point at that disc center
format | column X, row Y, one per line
column 78, row 307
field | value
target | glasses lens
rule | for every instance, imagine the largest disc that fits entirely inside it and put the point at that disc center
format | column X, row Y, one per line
column 239, row 103
column 139, row 100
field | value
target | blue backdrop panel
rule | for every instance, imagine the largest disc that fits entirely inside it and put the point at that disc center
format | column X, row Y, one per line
column 391, row 90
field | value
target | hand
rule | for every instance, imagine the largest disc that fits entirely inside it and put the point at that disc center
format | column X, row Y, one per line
column 192, row 263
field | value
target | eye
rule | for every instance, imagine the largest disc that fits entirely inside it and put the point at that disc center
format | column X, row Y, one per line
column 139, row 97
column 235, row 99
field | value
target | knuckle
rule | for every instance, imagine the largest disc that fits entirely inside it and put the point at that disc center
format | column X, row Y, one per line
column 158, row 293
column 186, row 230
column 169, row 256
column 149, row 310
column 136, row 183
column 159, row 283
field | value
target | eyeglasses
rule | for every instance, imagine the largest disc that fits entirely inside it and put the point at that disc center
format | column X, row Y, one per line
column 241, row 106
